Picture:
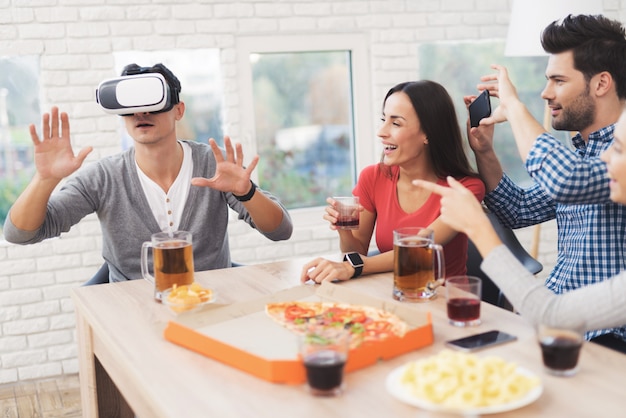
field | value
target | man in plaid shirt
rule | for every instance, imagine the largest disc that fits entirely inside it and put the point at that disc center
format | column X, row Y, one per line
column 585, row 91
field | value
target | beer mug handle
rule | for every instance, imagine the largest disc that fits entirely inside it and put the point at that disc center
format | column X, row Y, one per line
column 441, row 267
column 145, row 272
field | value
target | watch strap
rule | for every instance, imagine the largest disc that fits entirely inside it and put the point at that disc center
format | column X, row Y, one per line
column 358, row 268
column 248, row 195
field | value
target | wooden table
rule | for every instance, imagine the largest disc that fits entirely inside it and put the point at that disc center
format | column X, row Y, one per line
column 122, row 350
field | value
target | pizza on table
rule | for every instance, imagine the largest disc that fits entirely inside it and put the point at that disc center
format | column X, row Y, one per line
column 365, row 323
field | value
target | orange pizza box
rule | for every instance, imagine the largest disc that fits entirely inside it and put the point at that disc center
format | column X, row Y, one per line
column 243, row 336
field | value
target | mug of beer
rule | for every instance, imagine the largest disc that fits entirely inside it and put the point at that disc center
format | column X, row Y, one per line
column 415, row 278
column 172, row 256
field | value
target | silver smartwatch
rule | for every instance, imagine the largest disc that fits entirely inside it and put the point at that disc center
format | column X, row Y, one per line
column 355, row 261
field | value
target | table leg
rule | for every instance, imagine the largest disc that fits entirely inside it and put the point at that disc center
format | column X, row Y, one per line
column 111, row 403
column 86, row 366
column 98, row 394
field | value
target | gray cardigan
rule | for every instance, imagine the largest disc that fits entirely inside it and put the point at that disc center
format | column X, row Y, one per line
column 600, row 305
column 111, row 188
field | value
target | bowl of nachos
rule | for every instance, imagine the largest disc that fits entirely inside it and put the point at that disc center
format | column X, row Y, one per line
column 187, row 298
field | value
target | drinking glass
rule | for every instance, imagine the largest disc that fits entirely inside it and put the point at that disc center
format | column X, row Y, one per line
column 415, row 274
column 324, row 353
column 560, row 348
column 172, row 261
column 348, row 208
column 463, row 296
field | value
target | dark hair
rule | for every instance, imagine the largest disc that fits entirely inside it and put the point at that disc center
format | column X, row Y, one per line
column 172, row 80
column 598, row 44
column 435, row 111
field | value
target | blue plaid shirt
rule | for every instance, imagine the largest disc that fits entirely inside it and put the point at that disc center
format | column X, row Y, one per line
column 571, row 186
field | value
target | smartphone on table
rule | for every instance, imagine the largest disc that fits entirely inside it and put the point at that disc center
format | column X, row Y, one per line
column 480, row 108
column 480, row 341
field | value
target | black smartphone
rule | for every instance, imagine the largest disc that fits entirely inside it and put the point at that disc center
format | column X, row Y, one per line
column 479, row 341
column 480, row 108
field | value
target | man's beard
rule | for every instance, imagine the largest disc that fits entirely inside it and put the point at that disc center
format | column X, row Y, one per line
column 578, row 115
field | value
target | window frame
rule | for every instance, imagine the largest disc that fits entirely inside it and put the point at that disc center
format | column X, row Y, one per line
column 356, row 44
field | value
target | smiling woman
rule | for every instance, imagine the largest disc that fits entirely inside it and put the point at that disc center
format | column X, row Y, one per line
column 421, row 140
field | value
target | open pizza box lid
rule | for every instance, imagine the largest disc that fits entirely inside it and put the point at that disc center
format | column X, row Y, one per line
column 242, row 335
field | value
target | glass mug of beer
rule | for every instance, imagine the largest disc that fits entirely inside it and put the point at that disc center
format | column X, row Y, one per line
column 172, row 255
column 415, row 274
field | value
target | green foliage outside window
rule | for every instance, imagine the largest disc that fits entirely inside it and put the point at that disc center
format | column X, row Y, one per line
column 302, row 107
column 10, row 189
column 19, row 107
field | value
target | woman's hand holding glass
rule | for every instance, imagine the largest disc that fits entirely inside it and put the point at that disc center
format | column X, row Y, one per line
column 333, row 215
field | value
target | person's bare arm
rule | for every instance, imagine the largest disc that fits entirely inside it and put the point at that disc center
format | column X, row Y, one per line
column 29, row 210
column 54, row 160
column 489, row 169
column 266, row 214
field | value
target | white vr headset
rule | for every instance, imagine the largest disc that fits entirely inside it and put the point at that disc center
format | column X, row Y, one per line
column 139, row 93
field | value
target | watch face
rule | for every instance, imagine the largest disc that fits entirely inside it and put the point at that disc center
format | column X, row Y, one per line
column 355, row 259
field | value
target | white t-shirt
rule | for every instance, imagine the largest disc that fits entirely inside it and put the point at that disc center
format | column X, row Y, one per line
column 167, row 208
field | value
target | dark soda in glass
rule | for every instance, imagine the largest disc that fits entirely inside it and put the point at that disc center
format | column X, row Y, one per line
column 324, row 371
column 348, row 223
column 463, row 309
column 560, row 353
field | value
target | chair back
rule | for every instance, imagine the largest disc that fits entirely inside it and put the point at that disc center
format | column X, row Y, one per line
column 491, row 293
column 101, row 276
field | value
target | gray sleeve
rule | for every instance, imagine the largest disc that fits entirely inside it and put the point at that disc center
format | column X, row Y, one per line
column 15, row 235
column 65, row 208
column 601, row 305
column 282, row 232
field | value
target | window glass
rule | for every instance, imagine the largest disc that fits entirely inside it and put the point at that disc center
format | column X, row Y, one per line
column 19, row 107
column 303, row 125
column 199, row 74
column 459, row 66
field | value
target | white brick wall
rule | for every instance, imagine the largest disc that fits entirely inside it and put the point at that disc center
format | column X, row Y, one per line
column 76, row 40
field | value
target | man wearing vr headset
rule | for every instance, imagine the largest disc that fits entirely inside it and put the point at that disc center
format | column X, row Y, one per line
column 161, row 184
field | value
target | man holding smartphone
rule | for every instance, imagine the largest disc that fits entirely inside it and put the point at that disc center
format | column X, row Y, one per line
column 585, row 90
